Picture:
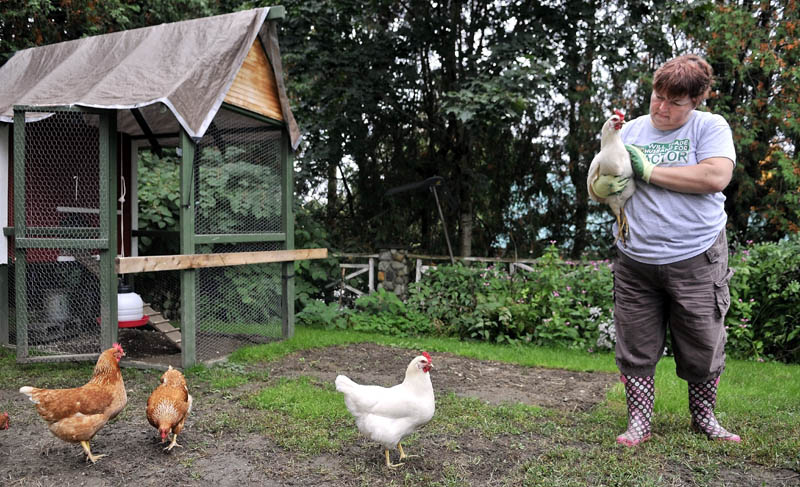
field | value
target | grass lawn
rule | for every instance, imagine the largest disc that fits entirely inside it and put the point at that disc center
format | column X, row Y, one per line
column 307, row 418
column 759, row 401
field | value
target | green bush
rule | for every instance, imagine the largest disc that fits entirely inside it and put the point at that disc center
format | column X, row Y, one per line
column 764, row 318
column 380, row 312
column 311, row 276
column 569, row 304
column 560, row 303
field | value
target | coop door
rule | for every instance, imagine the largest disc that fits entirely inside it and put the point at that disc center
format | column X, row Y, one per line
column 62, row 234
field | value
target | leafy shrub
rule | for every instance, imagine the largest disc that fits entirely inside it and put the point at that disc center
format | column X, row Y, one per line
column 564, row 303
column 764, row 317
column 559, row 303
column 318, row 314
column 380, row 312
column 311, row 276
column 159, row 200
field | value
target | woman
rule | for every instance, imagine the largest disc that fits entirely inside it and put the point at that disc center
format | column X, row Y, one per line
column 673, row 273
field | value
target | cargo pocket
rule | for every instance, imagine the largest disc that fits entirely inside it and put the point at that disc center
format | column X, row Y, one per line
column 722, row 293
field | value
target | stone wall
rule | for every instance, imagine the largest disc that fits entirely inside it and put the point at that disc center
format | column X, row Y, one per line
column 393, row 272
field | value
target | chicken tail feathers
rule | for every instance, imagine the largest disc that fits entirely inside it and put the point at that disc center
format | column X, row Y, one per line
column 28, row 391
column 344, row 384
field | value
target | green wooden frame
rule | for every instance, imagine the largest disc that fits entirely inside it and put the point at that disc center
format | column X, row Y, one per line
column 106, row 240
column 189, row 276
column 189, row 240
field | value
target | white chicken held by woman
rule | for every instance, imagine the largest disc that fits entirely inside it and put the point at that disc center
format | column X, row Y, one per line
column 389, row 414
column 610, row 178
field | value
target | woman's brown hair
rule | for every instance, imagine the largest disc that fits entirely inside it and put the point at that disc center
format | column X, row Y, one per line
column 684, row 75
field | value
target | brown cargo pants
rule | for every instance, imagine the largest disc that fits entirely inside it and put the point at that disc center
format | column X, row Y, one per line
column 691, row 297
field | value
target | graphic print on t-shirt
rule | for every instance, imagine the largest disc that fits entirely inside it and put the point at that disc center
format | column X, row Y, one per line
column 670, row 153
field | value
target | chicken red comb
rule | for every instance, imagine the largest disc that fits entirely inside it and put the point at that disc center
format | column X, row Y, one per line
column 619, row 114
column 427, row 356
column 118, row 347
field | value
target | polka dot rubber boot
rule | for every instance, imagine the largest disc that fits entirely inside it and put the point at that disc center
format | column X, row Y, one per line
column 702, row 400
column 640, row 393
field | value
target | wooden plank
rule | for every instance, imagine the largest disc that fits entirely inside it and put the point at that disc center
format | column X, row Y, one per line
column 88, row 357
column 130, row 265
column 21, row 273
column 287, row 219
column 254, row 87
column 164, row 327
column 174, row 335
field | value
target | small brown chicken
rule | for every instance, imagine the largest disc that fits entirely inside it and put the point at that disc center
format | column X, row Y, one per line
column 76, row 415
column 4, row 421
column 169, row 405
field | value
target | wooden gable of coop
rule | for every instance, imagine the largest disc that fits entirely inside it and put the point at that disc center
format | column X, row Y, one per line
column 208, row 92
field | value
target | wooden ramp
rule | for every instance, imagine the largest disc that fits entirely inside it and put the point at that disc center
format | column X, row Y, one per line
column 162, row 324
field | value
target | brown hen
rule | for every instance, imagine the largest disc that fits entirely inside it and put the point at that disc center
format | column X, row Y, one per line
column 169, row 405
column 76, row 415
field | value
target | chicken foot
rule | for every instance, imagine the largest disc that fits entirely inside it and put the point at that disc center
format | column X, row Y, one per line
column 88, row 450
column 388, row 462
column 174, row 443
column 403, row 454
column 402, row 457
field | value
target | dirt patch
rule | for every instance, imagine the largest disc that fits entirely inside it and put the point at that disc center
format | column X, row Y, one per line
column 148, row 346
column 493, row 382
column 216, row 454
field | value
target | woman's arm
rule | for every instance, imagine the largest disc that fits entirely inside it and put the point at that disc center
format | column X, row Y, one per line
column 710, row 175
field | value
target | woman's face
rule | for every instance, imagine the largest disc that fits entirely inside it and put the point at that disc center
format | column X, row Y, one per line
column 669, row 113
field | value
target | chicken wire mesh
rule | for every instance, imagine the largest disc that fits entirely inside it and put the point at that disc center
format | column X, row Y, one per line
column 237, row 305
column 237, row 177
column 237, row 191
column 237, row 174
column 62, row 201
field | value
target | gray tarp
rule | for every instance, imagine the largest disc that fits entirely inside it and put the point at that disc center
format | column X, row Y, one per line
column 188, row 66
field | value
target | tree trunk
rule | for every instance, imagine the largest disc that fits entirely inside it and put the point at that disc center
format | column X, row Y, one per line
column 466, row 225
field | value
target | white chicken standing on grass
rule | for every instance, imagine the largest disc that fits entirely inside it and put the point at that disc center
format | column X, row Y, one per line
column 389, row 414
column 613, row 160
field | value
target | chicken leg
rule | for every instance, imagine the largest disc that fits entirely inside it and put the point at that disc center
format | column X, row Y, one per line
column 388, row 462
column 402, row 457
column 174, row 442
column 403, row 454
column 622, row 227
column 88, row 450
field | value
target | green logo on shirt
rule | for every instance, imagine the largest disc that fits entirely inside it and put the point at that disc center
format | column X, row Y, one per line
column 675, row 152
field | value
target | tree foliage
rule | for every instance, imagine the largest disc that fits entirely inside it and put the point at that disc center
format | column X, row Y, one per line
column 755, row 52
column 503, row 99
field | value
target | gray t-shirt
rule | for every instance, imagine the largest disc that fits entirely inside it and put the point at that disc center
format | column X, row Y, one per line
column 668, row 226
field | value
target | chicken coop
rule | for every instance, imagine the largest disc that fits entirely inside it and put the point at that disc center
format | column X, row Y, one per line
column 155, row 163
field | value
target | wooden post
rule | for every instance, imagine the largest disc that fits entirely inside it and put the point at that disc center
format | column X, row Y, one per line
column 287, row 217
column 188, row 276
column 3, row 304
column 108, row 228
column 371, row 275
column 20, row 278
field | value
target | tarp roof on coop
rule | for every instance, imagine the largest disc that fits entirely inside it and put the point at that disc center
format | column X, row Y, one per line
column 191, row 67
